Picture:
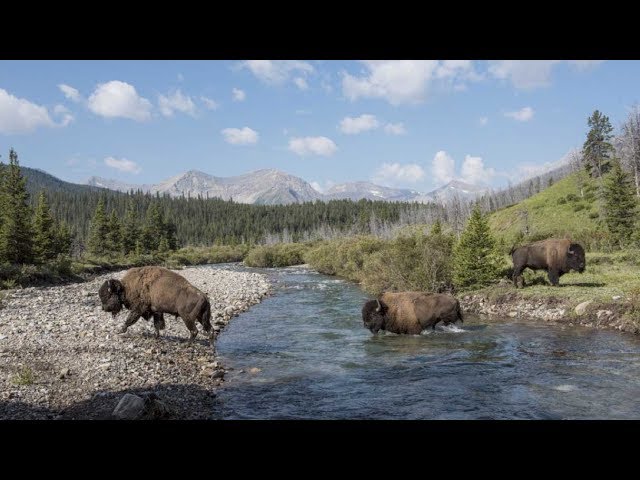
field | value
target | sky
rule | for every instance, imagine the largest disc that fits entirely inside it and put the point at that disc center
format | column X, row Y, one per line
column 398, row 123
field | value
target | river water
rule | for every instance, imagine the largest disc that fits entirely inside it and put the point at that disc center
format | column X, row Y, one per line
column 303, row 353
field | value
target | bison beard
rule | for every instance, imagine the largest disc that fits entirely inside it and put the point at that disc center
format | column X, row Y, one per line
column 152, row 291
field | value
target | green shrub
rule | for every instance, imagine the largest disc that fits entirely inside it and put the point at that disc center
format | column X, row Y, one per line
column 571, row 197
column 24, row 377
column 562, row 201
column 578, row 207
column 278, row 255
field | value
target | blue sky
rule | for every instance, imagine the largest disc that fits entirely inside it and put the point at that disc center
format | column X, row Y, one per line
column 413, row 124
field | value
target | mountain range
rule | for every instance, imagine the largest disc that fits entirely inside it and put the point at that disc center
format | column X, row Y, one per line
column 271, row 186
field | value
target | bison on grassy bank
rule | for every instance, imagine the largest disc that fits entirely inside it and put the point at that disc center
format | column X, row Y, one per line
column 151, row 292
column 410, row 312
column 557, row 257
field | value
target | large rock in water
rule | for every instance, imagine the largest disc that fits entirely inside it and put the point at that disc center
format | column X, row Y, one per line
column 134, row 407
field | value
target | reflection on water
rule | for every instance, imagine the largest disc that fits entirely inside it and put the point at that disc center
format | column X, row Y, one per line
column 317, row 361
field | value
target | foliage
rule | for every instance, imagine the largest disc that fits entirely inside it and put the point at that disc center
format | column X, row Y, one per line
column 620, row 204
column 279, row 255
column 476, row 260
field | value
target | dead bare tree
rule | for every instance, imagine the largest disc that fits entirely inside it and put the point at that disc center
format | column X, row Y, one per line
column 629, row 144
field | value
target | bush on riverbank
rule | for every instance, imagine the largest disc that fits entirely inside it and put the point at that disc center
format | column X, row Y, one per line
column 278, row 255
column 409, row 262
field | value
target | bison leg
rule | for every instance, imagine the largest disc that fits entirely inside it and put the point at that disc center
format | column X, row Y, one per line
column 518, row 281
column 158, row 323
column 191, row 326
column 554, row 278
column 131, row 319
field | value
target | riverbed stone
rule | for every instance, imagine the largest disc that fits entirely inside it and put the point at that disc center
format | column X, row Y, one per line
column 582, row 307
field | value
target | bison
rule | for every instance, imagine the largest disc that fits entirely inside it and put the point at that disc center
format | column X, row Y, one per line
column 557, row 257
column 151, row 292
column 410, row 312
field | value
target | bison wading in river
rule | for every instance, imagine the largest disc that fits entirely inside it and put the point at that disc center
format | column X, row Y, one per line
column 410, row 312
column 153, row 291
column 557, row 257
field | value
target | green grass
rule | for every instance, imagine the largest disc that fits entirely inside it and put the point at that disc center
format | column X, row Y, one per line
column 24, row 377
column 607, row 275
column 558, row 211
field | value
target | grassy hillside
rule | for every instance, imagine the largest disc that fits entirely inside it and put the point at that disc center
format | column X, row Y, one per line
column 566, row 209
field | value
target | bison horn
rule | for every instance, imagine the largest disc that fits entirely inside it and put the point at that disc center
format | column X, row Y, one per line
column 571, row 252
column 379, row 306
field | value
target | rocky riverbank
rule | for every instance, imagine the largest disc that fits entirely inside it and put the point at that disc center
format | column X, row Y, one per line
column 61, row 358
column 616, row 314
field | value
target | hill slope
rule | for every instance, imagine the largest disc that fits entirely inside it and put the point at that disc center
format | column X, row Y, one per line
column 562, row 210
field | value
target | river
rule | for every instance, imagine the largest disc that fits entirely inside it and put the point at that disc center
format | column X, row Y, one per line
column 303, row 353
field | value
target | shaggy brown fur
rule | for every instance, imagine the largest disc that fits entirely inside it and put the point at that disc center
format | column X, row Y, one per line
column 153, row 291
column 555, row 256
column 410, row 312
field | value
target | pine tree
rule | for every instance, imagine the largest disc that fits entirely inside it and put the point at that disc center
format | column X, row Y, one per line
column 130, row 228
column 620, row 207
column 2, row 195
column 163, row 246
column 476, row 262
column 114, row 237
column 597, row 149
column 63, row 239
column 44, row 232
column 153, row 230
column 437, row 228
column 16, row 245
column 99, row 230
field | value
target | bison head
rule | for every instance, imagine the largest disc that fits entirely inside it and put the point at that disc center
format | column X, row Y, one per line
column 575, row 257
column 373, row 315
column 111, row 293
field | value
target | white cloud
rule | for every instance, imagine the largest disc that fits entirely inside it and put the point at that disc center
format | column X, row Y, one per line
column 119, row 99
column 528, row 170
column 70, row 92
column 524, row 74
column 240, row 136
column 238, row 95
column 483, row 121
column 301, row 83
column 176, row 101
column 405, row 81
column 396, row 173
column 523, row 115
column 474, row 171
column 277, row 72
column 395, row 129
column 19, row 115
column 585, row 64
column 313, row 146
column 397, row 81
column 210, row 104
column 443, row 167
column 355, row 125
column 531, row 74
column 64, row 112
column 123, row 165
column 458, row 69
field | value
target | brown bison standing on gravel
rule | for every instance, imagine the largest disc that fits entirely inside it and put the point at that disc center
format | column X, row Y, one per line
column 410, row 312
column 153, row 291
column 557, row 257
